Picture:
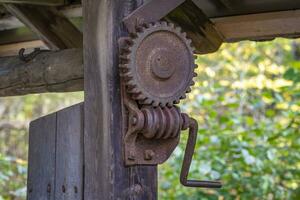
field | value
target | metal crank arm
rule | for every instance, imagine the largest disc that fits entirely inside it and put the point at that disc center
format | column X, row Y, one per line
column 187, row 160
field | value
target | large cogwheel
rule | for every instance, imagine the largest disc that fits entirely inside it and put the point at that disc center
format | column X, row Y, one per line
column 157, row 64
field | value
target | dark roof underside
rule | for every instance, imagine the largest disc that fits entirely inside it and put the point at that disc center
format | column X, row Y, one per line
column 221, row 8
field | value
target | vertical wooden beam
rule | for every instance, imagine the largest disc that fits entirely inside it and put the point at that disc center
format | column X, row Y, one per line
column 106, row 177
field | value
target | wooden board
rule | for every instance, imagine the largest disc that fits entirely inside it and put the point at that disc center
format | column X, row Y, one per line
column 69, row 154
column 259, row 26
column 41, row 169
column 56, row 156
column 106, row 177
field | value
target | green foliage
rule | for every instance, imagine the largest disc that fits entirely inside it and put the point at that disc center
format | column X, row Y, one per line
column 246, row 100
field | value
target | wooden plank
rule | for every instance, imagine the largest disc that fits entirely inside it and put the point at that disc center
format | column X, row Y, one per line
column 37, row 2
column 69, row 154
column 41, row 169
column 51, row 26
column 60, row 71
column 106, row 177
column 259, row 26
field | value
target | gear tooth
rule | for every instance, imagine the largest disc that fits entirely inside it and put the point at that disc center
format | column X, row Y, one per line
column 133, row 35
column 183, row 96
column 164, row 23
column 188, row 90
column 195, row 57
column 134, row 90
column 140, row 29
column 127, row 75
column 162, row 104
column 177, row 101
column 144, row 25
column 128, row 41
column 130, row 83
column 147, row 101
column 169, row 104
column 121, row 66
column 123, row 58
column 192, row 83
column 195, row 66
column 189, row 41
column 155, row 104
column 178, row 29
column 125, row 50
column 171, row 25
column 138, row 97
column 195, row 74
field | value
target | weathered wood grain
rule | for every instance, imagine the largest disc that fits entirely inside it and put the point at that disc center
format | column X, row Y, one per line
column 52, row 26
column 69, row 154
column 262, row 26
column 41, row 169
column 60, row 71
column 106, row 177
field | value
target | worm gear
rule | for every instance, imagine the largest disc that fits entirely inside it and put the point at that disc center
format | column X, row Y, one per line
column 157, row 64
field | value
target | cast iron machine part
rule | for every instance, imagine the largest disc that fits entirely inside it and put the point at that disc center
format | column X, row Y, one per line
column 157, row 66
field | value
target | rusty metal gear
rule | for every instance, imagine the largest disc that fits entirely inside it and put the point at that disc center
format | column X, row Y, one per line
column 157, row 64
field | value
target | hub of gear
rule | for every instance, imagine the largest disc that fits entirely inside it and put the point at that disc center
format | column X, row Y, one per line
column 157, row 64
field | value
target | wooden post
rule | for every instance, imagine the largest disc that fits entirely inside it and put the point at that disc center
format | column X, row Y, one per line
column 106, row 177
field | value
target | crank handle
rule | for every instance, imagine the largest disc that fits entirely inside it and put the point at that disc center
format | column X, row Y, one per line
column 187, row 160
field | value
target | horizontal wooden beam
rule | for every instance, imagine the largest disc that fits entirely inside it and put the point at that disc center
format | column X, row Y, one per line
column 60, row 71
column 49, row 24
column 263, row 26
column 37, row 2
column 17, row 35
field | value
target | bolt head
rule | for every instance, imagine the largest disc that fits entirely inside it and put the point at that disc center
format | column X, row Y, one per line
column 149, row 154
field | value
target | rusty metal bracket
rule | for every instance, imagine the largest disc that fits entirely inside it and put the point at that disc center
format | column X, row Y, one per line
column 152, row 11
column 156, row 69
